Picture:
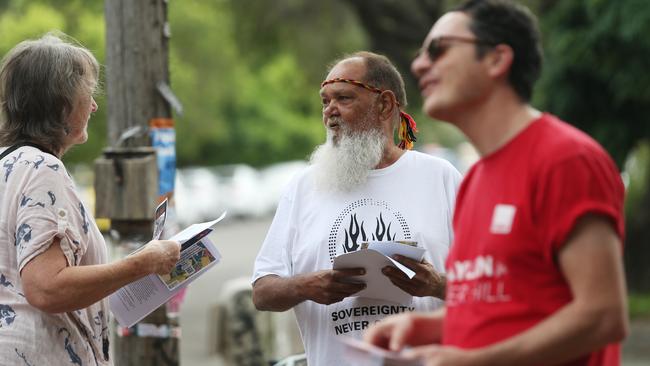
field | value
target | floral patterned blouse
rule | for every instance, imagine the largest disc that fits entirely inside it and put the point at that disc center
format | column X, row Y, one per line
column 38, row 201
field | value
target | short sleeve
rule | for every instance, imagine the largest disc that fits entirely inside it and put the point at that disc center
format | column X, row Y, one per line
column 452, row 184
column 578, row 185
column 48, row 207
column 274, row 257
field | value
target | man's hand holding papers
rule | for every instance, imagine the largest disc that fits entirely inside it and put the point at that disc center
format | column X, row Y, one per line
column 374, row 259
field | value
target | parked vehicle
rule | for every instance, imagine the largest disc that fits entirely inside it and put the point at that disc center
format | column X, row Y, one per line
column 203, row 193
column 275, row 179
column 197, row 195
column 241, row 190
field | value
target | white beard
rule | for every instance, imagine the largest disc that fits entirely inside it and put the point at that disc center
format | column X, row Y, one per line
column 345, row 165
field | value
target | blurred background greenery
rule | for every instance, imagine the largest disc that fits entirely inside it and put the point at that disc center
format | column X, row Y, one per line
column 248, row 74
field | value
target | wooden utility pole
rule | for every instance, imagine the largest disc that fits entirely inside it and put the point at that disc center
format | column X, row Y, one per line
column 137, row 68
column 137, row 59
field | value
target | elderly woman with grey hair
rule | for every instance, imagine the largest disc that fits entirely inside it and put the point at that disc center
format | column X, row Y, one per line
column 53, row 272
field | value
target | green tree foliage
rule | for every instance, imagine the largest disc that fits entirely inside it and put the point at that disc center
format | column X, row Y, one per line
column 248, row 74
column 83, row 21
column 595, row 76
column 314, row 32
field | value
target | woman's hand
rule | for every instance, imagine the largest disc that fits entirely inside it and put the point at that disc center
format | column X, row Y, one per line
column 163, row 255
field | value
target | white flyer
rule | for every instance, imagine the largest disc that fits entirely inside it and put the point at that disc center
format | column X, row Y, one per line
column 373, row 259
column 138, row 299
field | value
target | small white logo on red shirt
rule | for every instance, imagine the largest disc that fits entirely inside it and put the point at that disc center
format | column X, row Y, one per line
column 502, row 219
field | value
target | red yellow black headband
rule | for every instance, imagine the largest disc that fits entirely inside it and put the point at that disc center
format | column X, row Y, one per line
column 353, row 82
column 407, row 128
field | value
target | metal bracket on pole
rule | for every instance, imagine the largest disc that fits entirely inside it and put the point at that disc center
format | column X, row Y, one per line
column 167, row 93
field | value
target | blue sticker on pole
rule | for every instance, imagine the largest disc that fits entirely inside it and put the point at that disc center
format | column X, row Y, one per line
column 163, row 139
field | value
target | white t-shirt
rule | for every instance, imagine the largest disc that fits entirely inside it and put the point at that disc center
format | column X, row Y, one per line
column 38, row 201
column 413, row 199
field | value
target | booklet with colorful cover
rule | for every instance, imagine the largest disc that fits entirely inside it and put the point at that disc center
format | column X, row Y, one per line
column 140, row 298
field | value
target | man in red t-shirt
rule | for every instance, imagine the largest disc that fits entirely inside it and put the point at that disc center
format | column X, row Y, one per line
column 535, row 275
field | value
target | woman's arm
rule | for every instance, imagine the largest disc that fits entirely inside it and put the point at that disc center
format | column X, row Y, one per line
column 52, row 286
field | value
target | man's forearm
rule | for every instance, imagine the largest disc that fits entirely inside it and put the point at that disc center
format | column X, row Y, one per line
column 571, row 332
column 596, row 316
column 275, row 293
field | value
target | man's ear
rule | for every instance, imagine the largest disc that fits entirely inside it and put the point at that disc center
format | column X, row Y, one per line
column 387, row 104
column 499, row 60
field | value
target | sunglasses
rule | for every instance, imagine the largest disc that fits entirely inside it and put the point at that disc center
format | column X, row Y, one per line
column 438, row 46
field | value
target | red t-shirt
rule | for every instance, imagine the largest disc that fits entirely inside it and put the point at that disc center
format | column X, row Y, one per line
column 514, row 210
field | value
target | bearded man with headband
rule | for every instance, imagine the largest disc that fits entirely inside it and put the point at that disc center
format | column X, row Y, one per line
column 360, row 187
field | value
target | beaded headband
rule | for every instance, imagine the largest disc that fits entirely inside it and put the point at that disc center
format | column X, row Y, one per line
column 407, row 128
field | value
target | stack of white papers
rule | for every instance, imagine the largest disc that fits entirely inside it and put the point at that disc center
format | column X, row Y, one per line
column 373, row 259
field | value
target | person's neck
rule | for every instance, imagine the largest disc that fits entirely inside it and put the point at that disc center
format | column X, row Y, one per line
column 497, row 120
column 391, row 154
column 45, row 148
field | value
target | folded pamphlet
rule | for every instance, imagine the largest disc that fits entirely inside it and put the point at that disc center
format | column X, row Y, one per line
column 140, row 298
column 376, row 256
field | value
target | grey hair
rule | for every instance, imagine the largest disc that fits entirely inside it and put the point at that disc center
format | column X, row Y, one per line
column 40, row 81
column 380, row 73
